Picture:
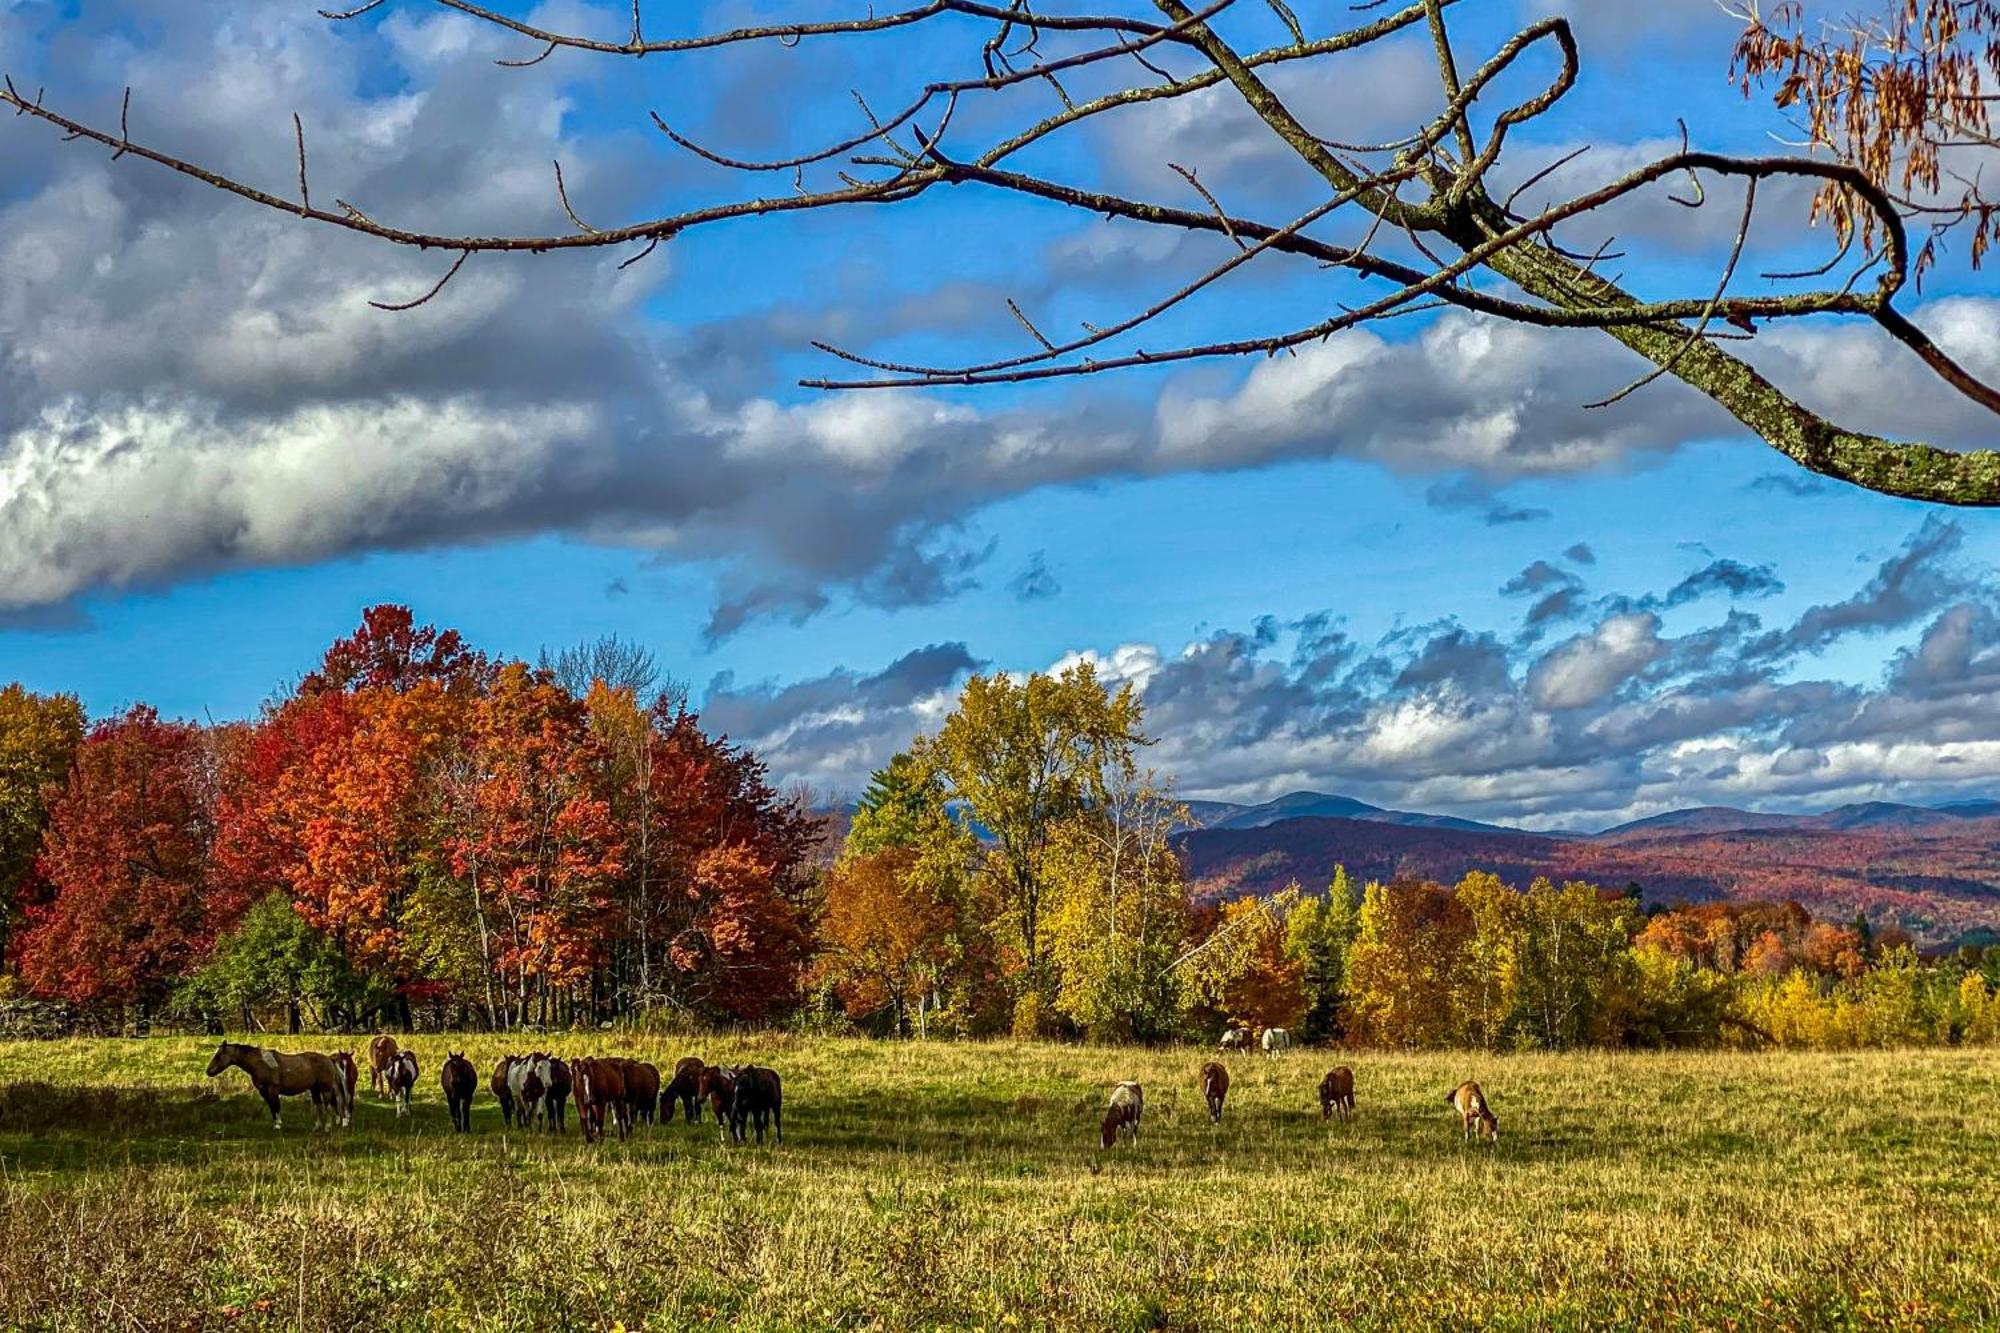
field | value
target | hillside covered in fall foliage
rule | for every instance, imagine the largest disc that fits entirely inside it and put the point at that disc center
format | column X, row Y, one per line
column 1938, row 880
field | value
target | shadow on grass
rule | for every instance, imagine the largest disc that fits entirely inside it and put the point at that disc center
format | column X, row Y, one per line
column 70, row 1129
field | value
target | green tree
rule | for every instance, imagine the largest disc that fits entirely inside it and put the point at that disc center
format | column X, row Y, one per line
column 275, row 960
column 1575, row 955
column 1318, row 935
column 39, row 734
column 1024, row 757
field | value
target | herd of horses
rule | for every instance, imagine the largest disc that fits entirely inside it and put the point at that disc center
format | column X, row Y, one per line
column 534, row 1090
column 537, row 1089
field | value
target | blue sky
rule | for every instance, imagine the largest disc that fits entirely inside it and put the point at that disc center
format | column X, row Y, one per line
column 215, row 453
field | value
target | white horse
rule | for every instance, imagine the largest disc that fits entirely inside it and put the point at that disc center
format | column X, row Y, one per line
column 1275, row 1040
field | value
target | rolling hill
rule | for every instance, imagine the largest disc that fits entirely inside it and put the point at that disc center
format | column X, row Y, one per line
column 1933, row 870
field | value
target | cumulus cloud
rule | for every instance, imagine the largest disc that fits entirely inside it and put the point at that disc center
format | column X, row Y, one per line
column 1618, row 720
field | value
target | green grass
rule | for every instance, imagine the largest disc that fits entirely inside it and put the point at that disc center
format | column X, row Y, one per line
column 960, row 1185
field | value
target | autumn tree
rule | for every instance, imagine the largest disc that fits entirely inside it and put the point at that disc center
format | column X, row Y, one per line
column 125, row 858
column 39, row 735
column 274, row 960
column 1118, row 912
column 1573, row 952
column 1407, row 963
column 1241, row 969
column 1894, row 101
column 1025, row 756
column 888, row 937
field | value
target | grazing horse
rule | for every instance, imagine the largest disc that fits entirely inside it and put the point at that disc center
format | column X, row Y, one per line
column 759, row 1098
column 600, row 1087
column 1214, row 1087
column 1236, row 1039
column 642, row 1090
column 556, row 1081
column 459, row 1080
column 1336, row 1092
column 278, row 1074
column 1275, row 1040
column 501, row 1092
column 402, row 1079
column 525, row 1085
column 1128, row 1102
column 1474, row 1115
column 685, row 1089
column 381, row 1054
column 717, row 1087
column 349, row 1074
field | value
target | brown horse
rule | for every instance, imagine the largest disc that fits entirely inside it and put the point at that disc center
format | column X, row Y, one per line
column 459, row 1080
column 501, row 1092
column 759, row 1098
column 1214, row 1088
column 600, row 1087
column 642, row 1090
column 717, row 1087
column 344, row 1062
column 1128, row 1103
column 278, row 1074
column 1474, row 1115
column 685, row 1089
column 381, row 1054
column 1336, row 1092
column 402, row 1081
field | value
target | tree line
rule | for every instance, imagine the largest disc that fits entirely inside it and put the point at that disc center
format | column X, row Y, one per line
column 418, row 833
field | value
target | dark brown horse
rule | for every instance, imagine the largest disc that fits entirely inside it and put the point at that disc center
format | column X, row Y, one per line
column 1336, row 1092
column 1214, row 1088
column 503, row 1093
column 381, row 1054
column 759, row 1100
column 685, row 1089
column 402, row 1081
column 459, row 1080
column 717, row 1087
column 278, row 1074
column 600, row 1088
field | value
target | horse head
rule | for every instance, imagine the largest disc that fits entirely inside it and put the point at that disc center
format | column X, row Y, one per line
column 227, row 1054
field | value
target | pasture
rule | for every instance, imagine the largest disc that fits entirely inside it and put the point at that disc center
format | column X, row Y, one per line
column 960, row 1185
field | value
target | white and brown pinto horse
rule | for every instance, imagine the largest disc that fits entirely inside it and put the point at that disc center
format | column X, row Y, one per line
column 1128, row 1103
column 278, row 1074
column 402, row 1080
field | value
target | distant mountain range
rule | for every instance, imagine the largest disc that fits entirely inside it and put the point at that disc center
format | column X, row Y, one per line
column 1935, row 870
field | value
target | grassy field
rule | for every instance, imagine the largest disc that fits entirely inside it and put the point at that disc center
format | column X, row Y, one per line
column 960, row 1185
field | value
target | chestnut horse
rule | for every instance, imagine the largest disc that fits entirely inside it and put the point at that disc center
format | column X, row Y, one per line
column 642, row 1090
column 278, row 1074
column 600, row 1087
column 1336, row 1092
column 1474, row 1115
column 1214, row 1088
column 685, row 1089
column 759, row 1098
column 381, row 1054
column 459, row 1080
